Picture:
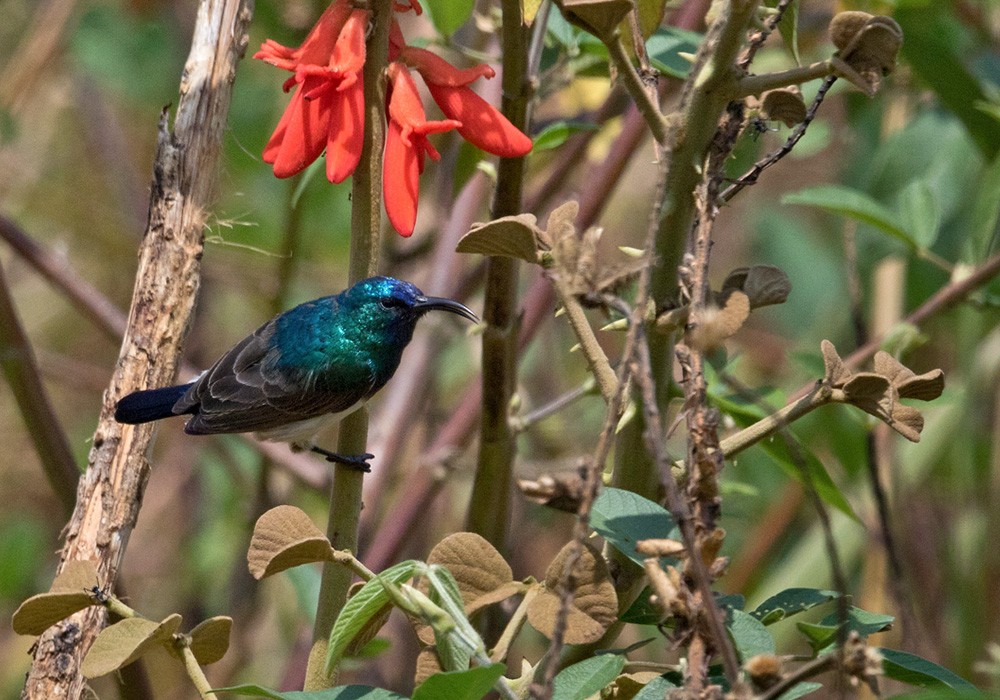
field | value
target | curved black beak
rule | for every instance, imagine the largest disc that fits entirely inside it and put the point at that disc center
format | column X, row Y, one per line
column 442, row 304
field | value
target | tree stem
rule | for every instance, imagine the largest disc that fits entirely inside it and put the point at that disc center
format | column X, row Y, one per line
column 366, row 223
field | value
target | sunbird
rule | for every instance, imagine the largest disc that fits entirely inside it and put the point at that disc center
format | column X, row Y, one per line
column 301, row 370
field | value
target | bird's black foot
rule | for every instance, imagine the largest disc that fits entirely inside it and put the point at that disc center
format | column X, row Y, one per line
column 359, row 462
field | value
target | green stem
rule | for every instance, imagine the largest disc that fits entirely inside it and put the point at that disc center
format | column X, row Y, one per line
column 712, row 85
column 751, row 435
column 649, row 109
column 490, row 502
column 499, row 652
column 195, row 673
column 18, row 364
column 756, row 84
column 596, row 359
column 366, row 217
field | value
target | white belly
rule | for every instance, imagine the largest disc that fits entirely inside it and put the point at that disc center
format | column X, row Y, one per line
column 302, row 434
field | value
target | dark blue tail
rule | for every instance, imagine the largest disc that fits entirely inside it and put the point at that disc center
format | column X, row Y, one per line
column 149, row 405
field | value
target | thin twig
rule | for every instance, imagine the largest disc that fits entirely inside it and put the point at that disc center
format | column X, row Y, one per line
column 17, row 361
column 760, row 36
column 750, row 177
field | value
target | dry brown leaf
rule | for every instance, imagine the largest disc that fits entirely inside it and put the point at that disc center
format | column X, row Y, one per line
column 785, row 105
column 866, row 386
column 595, row 604
column 70, row 593
column 925, row 387
column 599, row 17
column 125, row 641
column 714, row 325
column 210, row 639
column 836, row 371
column 510, row 236
column 427, row 665
column 285, row 537
column 628, row 685
column 561, row 491
column 765, row 285
column 477, row 566
column 41, row 611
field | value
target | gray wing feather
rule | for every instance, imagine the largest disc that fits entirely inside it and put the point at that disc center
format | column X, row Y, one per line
column 246, row 391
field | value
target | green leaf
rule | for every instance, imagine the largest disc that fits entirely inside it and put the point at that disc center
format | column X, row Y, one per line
column 666, row 45
column 791, row 601
column 936, row 47
column 828, row 491
column 854, row 204
column 449, row 15
column 623, row 518
column 471, row 684
column 362, row 606
column 986, row 209
column 861, row 621
column 915, row 670
column 789, row 30
column 650, row 15
column 641, row 611
column 819, row 636
column 452, row 653
column 581, row 680
column 656, row 689
column 749, row 634
column 555, row 134
column 800, row 689
column 921, row 211
column 342, row 692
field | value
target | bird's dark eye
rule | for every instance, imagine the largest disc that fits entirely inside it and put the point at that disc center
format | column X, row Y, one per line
column 390, row 303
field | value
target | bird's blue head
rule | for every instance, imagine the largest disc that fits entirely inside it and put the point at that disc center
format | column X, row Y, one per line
column 388, row 303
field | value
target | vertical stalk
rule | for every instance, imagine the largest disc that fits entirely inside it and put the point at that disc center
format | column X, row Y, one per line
column 17, row 362
column 488, row 509
column 366, row 221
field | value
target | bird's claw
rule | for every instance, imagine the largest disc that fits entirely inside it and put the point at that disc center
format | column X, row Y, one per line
column 359, row 462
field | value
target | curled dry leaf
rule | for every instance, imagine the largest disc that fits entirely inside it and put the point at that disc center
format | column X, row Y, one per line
column 210, row 639
column 594, row 606
column 764, row 285
column 925, row 387
column 716, row 324
column 479, row 569
column 599, row 17
column 867, row 47
column 878, row 393
column 125, row 641
column 561, row 491
column 285, row 537
column 427, row 664
column 70, row 593
column 510, row 236
column 785, row 105
column 659, row 548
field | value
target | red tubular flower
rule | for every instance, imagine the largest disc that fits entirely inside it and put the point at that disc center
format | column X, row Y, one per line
column 327, row 108
column 405, row 146
column 482, row 125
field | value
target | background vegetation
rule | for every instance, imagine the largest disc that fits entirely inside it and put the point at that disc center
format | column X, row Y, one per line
column 80, row 95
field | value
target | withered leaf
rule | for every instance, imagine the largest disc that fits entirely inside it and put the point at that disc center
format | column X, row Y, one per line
column 479, row 569
column 510, row 236
column 125, row 641
column 763, row 284
column 69, row 593
column 210, row 639
column 836, row 371
column 595, row 604
column 427, row 665
column 785, row 105
column 907, row 421
column 285, row 537
column 714, row 325
column 561, row 491
column 866, row 386
column 599, row 17
column 925, row 387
